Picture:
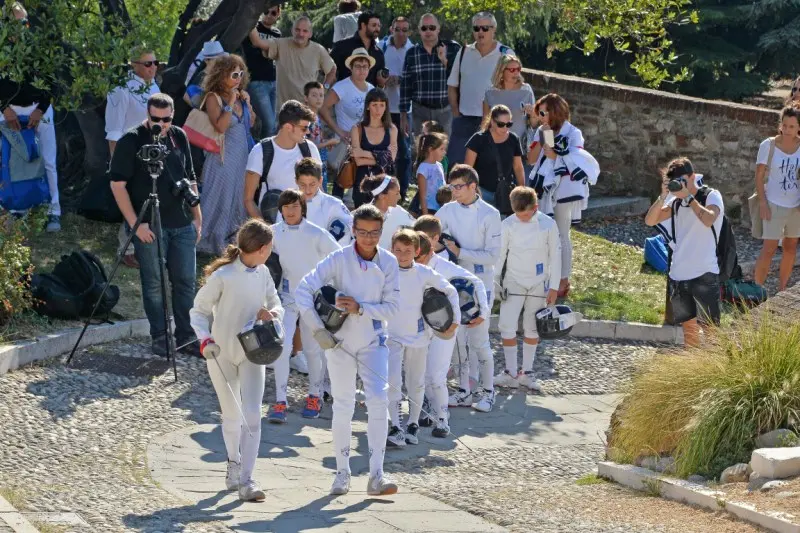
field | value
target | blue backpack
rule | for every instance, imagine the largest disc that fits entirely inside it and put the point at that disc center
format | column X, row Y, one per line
column 656, row 254
column 23, row 180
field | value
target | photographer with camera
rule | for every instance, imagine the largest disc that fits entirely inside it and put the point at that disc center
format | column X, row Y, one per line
column 156, row 148
column 694, row 217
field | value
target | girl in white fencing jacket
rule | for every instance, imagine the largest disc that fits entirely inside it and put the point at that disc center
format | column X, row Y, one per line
column 238, row 291
column 527, row 275
column 300, row 245
column 385, row 194
column 410, row 336
column 476, row 226
column 366, row 277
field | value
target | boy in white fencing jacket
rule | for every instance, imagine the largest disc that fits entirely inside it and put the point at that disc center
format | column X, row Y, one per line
column 366, row 278
column 526, row 277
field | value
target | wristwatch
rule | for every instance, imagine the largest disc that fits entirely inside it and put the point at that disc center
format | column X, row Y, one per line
column 326, row 86
column 689, row 200
column 227, row 108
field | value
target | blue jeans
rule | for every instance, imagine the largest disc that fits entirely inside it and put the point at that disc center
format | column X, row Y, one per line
column 403, row 162
column 178, row 246
column 264, row 98
column 487, row 196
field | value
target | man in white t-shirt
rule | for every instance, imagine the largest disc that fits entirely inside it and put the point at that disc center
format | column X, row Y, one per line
column 470, row 77
column 294, row 119
column 694, row 270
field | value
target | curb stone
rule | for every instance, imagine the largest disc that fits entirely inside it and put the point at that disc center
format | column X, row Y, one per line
column 15, row 355
column 684, row 491
column 14, row 519
column 609, row 329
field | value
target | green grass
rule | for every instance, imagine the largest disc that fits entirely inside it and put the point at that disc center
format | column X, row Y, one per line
column 609, row 282
column 590, row 479
column 47, row 527
column 705, row 406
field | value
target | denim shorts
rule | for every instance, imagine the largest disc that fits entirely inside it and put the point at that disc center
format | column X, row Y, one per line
column 695, row 298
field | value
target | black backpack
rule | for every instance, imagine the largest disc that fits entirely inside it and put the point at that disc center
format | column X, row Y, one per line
column 98, row 203
column 727, row 259
column 73, row 288
column 268, row 154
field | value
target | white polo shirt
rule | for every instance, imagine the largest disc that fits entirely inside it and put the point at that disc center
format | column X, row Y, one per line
column 395, row 58
column 695, row 250
column 476, row 76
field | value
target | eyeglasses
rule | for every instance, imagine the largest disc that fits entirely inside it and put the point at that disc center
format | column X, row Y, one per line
column 428, row 28
column 237, row 75
column 457, row 186
column 477, row 29
column 543, row 113
column 513, row 69
column 504, row 124
column 156, row 120
column 376, row 234
column 360, row 66
column 147, row 64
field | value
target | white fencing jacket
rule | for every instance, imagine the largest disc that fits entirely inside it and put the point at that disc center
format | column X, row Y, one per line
column 531, row 254
column 230, row 299
column 477, row 229
column 299, row 248
column 395, row 218
column 408, row 327
column 329, row 213
column 373, row 284
column 450, row 270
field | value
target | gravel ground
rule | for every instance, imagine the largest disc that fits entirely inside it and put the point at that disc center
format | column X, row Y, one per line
column 75, row 439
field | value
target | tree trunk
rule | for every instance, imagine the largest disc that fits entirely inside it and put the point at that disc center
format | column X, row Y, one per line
column 92, row 124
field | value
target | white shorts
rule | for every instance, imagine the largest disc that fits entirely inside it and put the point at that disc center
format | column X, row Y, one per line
column 784, row 223
column 511, row 308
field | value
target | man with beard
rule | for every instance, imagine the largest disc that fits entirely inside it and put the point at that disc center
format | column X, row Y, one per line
column 369, row 27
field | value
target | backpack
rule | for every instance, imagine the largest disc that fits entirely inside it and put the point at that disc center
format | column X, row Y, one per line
column 268, row 154
column 98, row 203
column 727, row 259
column 73, row 288
column 656, row 254
column 23, row 179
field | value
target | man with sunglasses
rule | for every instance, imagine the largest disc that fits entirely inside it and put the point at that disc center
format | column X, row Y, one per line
column 367, row 281
column 469, row 79
column 126, row 108
column 263, row 75
column 181, row 224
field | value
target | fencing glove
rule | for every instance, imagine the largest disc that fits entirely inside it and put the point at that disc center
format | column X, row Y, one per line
column 325, row 339
column 211, row 350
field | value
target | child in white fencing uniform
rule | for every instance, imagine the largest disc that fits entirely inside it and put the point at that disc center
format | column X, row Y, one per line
column 526, row 277
column 440, row 351
column 366, row 277
column 476, row 226
column 238, row 290
column 299, row 245
column 410, row 336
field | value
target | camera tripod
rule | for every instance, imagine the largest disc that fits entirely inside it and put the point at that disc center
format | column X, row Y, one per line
column 151, row 205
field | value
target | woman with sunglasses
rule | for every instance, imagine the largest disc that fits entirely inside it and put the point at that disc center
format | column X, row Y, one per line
column 495, row 153
column 509, row 89
column 229, row 110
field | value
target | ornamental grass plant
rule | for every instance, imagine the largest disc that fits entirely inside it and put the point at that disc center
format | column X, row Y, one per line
column 705, row 406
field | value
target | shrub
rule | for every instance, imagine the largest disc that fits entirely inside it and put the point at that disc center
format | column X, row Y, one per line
column 705, row 406
column 15, row 264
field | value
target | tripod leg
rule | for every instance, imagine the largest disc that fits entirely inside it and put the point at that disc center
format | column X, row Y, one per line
column 110, row 278
column 162, row 267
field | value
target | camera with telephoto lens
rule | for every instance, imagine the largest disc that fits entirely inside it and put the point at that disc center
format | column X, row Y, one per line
column 678, row 177
column 183, row 189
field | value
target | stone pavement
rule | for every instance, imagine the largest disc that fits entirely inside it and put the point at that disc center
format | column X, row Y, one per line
column 296, row 467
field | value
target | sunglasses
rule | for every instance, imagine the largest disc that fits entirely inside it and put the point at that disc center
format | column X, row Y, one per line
column 513, row 70
column 371, row 234
column 304, row 127
column 504, row 124
column 543, row 113
column 147, row 64
column 795, row 89
column 428, row 28
column 477, row 29
column 273, row 12
column 237, row 75
column 156, row 120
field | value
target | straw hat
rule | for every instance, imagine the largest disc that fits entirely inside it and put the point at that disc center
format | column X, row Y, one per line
column 359, row 53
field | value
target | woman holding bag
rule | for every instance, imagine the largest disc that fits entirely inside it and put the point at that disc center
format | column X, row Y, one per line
column 778, row 192
column 229, row 111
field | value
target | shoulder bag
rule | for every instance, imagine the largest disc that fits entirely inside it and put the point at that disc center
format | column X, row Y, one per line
column 201, row 132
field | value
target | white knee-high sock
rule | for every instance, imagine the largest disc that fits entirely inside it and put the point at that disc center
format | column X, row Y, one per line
column 528, row 356
column 511, row 358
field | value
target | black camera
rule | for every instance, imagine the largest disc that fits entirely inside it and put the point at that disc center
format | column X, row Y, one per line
column 183, row 189
column 678, row 176
column 152, row 153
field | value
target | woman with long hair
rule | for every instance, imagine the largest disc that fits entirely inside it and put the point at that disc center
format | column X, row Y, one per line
column 374, row 141
column 777, row 185
column 228, row 107
column 509, row 89
column 495, row 153
column 385, row 194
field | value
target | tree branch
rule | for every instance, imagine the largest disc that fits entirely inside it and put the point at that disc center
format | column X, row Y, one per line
column 180, row 34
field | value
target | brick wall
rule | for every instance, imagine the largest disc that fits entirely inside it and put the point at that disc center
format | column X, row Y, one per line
column 633, row 132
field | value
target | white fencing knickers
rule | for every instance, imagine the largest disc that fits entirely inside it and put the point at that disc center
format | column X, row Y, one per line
column 477, row 340
column 510, row 309
column 311, row 349
column 247, row 381
column 440, row 352
column 412, row 360
column 562, row 213
column 343, row 368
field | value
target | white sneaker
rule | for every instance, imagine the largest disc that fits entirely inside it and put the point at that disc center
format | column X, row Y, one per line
column 528, row 379
column 506, row 379
column 251, row 492
column 442, row 429
column 396, row 438
column 460, row 398
column 232, row 476
column 299, row 363
column 380, row 485
column 341, row 483
column 485, row 401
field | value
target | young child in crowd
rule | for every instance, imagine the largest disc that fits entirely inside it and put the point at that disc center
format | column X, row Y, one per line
column 444, row 195
column 430, row 172
column 432, row 126
column 314, row 96
column 238, row 290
